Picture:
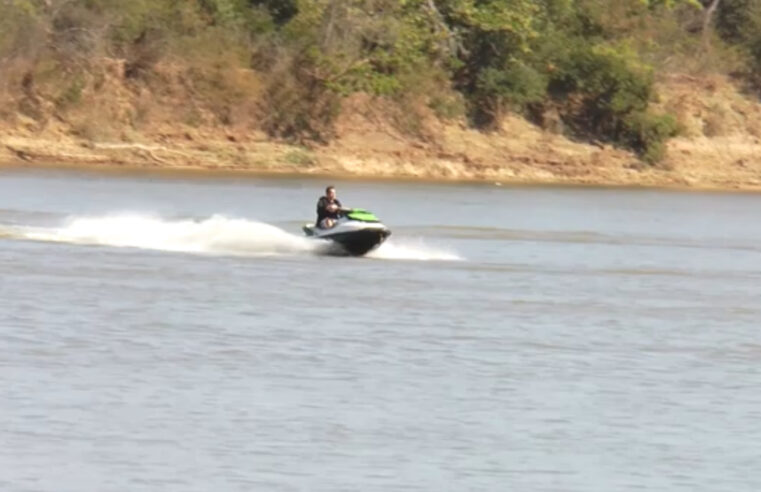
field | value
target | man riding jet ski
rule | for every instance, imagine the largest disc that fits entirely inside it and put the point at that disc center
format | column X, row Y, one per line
column 353, row 231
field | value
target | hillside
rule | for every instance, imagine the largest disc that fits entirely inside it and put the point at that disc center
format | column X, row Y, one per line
column 604, row 120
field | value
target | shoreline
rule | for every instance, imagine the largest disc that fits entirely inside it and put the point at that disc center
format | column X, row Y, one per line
column 339, row 175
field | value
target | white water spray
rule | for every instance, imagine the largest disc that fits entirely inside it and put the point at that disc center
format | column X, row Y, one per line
column 215, row 235
column 408, row 249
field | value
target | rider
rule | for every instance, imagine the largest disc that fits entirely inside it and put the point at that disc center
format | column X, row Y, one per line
column 328, row 208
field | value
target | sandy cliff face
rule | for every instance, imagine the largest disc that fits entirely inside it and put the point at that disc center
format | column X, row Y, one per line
column 166, row 123
column 721, row 144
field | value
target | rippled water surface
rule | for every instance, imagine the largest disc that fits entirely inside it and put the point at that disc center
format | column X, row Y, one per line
column 179, row 334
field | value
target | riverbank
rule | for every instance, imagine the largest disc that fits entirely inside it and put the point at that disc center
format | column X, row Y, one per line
column 719, row 148
column 603, row 167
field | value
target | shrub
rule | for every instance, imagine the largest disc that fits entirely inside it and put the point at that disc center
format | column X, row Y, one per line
column 647, row 133
column 298, row 106
column 515, row 86
column 604, row 94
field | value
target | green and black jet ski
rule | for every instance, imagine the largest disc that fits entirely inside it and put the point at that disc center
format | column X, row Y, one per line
column 356, row 232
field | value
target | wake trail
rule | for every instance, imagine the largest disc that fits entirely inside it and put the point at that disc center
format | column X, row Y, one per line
column 217, row 234
column 409, row 249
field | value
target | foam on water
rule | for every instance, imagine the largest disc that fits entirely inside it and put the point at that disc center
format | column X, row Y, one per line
column 215, row 235
column 407, row 249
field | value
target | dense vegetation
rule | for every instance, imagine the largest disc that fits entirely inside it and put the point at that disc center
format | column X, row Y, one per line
column 591, row 63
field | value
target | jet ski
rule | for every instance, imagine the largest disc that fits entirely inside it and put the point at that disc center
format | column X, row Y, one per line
column 356, row 232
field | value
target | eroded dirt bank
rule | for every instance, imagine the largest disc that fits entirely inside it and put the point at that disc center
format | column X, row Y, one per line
column 720, row 147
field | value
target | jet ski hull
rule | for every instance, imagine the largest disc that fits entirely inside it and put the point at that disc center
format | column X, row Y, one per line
column 350, row 239
column 358, row 243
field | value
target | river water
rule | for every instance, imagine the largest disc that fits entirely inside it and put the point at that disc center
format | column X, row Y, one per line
column 177, row 333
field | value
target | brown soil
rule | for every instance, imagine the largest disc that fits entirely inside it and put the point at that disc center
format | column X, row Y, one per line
column 719, row 149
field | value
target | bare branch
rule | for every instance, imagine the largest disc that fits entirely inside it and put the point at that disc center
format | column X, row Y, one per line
column 454, row 46
column 707, row 22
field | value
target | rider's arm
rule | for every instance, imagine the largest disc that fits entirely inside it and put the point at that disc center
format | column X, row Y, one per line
column 321, row 205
